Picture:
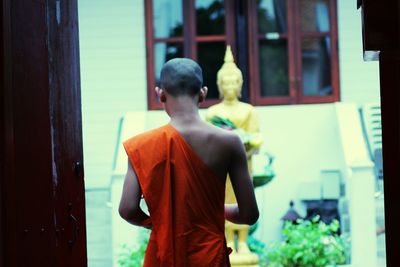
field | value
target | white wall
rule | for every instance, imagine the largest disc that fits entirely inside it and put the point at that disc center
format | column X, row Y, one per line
column 359, row 80
column 113, row 77
column 304, row 141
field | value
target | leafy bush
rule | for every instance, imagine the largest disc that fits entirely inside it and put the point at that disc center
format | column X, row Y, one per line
column 133, row 256
column 308, row 244
column 258, row 247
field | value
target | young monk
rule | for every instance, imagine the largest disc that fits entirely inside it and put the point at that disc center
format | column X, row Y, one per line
column 180, row 169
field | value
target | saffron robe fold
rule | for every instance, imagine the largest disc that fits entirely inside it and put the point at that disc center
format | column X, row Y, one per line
column 185, row 201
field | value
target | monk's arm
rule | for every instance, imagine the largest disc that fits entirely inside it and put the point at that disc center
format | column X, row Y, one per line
column 129, row 206
column 246, row 210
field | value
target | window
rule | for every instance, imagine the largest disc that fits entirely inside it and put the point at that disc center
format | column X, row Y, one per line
column 286, row 49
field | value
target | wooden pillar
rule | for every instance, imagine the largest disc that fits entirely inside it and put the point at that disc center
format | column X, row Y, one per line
column 381, row 40
column 389, row 67
column 42, row 201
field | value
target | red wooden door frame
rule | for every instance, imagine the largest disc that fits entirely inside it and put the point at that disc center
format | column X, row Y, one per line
column 42, row 189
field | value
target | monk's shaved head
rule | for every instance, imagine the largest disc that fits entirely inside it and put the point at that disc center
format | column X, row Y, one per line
column 181, row 76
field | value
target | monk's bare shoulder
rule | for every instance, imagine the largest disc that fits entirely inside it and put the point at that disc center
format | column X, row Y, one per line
column 226, row 139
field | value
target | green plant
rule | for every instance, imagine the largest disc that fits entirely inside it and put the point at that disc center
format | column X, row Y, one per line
column 133, row 256
column 308, row 244
column 258, row 247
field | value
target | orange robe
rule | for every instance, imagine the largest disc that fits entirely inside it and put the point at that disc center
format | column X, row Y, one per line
column 185, row 201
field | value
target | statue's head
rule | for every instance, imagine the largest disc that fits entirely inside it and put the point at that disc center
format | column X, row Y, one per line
column 229, row 77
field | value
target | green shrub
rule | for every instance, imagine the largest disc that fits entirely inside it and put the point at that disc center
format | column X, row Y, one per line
column 308, row 244
column 258, row 247
column 133, row 256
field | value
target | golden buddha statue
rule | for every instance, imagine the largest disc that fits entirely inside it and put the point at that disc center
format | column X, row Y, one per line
column 243, row 116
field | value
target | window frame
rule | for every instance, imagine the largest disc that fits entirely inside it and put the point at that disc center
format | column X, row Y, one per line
column 293, row 36
column 189, row 39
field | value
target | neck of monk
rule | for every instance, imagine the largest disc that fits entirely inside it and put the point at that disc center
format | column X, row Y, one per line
column 182, row 109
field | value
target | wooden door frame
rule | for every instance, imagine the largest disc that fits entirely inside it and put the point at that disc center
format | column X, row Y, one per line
column 389, row 68
column 381, row 39
column 42, row 193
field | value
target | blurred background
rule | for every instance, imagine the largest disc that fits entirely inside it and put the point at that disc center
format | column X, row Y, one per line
column 316, row 98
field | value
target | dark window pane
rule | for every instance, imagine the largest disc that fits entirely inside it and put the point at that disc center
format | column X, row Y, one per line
column 271, row 16
column 314, row 15
column 210, row 56
column 316, row 65
column 210, row 17
column 274, row 68
column 167, row 18
column 164, row 52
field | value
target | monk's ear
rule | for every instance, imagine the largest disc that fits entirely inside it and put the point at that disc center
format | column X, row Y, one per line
column 203, row 94
column 161, row 94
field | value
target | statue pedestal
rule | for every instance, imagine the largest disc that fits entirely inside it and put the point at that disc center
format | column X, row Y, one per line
column 244, row 260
